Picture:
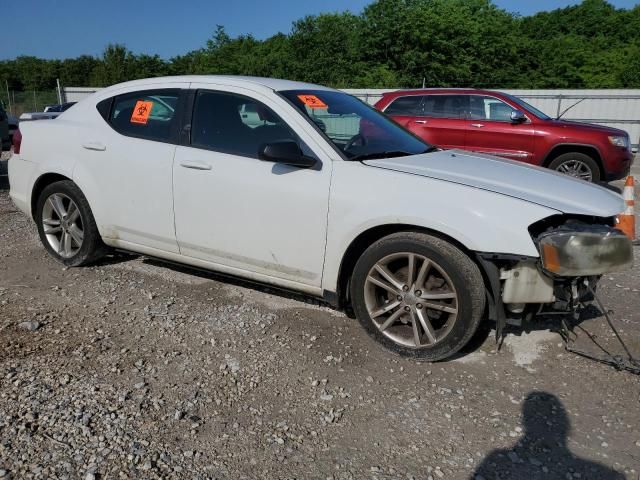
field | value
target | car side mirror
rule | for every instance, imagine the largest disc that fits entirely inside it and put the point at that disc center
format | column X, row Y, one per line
column 287, row 152
column 517, row 116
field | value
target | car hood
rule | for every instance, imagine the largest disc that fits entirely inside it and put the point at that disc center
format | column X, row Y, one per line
column 507, row 177
column 590, row 127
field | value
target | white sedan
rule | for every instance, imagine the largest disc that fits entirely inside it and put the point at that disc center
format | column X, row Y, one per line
column 309, row 189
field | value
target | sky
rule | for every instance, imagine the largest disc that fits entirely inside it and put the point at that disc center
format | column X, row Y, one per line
column 69, row 28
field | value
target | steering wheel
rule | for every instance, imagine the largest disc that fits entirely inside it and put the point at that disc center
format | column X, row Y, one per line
column 353, row 140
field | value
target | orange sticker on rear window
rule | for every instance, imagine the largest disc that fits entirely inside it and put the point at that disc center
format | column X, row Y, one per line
column 312, row 101
column 141, row 112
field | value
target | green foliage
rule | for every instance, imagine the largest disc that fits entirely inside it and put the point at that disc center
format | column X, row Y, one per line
column 393, row 43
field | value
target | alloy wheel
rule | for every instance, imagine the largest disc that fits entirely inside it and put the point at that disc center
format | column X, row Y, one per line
column 411, row 299
column 62, row 225
column 577, row 169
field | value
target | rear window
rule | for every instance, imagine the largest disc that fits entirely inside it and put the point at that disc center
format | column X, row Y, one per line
column 151, row 114
column 408, row 105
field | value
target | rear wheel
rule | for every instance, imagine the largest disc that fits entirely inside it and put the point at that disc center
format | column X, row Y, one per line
column 66, row 225
column 418, row 295
column 577, row 165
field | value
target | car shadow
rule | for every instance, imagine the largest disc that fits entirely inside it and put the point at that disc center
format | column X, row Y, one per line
column 485, row 330
column 235, row 281
column 540, row 323
column 542, row 452
column 613, row 188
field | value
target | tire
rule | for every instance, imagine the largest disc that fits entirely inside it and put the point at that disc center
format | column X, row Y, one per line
column 568, row 162
column 450, row 274
column 79, row 253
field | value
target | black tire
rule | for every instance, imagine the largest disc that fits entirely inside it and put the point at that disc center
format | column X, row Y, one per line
column 92, row 247
column 567, row 158
column 463, row 273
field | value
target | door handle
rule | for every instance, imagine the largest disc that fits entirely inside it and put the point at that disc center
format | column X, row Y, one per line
column 421, row 122
column 97, row 146
column 477, row 125
column 195, row 165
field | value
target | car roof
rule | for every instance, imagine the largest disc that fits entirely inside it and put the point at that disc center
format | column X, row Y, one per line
column 270, row 83
column 426, row 91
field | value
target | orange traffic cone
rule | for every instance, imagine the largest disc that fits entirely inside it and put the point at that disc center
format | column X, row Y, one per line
column 627, row 219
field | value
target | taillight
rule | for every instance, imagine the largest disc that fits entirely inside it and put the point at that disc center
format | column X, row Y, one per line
column 17, row 141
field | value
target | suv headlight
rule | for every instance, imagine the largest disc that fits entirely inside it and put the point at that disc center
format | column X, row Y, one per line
column 585, row 252
column 622, row 141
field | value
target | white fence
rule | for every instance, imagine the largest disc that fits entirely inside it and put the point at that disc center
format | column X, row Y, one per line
column 612, row 108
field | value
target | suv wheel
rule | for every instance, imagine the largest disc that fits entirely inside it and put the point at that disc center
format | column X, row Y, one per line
column 418, row 295
column 577, row 165
column 66, row 225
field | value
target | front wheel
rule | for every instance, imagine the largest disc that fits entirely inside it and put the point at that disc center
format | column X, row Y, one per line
column 66, row 225
column 418, row 295
column 577, row 165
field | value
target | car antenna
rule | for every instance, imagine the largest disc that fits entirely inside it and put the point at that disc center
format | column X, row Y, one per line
column 569, row 108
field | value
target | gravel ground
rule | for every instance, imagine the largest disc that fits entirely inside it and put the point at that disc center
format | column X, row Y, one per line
column 136, row 369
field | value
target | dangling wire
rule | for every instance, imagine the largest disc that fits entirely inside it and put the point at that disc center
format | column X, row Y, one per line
column 630, row 364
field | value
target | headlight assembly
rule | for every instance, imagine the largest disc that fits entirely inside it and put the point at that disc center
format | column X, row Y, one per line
column 585, row 252
column 622, row 141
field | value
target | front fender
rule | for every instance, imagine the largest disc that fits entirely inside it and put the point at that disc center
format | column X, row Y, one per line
column 363, row 198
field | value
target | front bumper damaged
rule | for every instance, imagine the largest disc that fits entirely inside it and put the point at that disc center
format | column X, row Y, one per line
column 573, row 256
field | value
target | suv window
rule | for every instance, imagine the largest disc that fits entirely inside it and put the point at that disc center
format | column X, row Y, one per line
column 489, row 108
column 235, row 124
column 150, row 114
column 446, row 106
column 407, row 105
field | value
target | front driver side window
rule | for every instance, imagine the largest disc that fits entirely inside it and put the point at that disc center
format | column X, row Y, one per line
column 235, row 124
column 489, row 108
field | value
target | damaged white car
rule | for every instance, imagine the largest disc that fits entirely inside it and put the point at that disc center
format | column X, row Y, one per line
column 307, row 188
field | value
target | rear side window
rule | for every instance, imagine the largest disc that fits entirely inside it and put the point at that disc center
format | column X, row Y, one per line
column 151, row 114
column 235, row 124
column 446, row 106
column 408, row 105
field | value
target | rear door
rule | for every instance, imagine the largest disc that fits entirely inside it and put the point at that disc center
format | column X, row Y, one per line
column 439, row 119
column 491, row 131
column 406, row 110
column 443, row 120
column 128, row 158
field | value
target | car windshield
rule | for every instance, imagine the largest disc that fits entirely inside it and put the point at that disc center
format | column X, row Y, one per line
column 526, row 106
column 355, row 128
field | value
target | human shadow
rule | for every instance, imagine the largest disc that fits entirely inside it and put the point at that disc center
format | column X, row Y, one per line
column 542, row 453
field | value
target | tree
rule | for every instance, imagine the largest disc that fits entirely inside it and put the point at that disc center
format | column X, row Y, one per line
column 393, row 43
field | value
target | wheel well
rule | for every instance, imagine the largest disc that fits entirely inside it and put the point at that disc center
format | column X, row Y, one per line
column 584, row 149
column 40, row 185
column 366, row 239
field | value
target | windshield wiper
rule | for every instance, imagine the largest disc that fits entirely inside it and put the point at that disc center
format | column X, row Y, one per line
column 389, row 154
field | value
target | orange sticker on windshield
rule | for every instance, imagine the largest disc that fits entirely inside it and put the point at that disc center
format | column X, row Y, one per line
column 141, row 112
column 312, row 101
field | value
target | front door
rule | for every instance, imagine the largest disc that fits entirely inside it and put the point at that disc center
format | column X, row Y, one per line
column 236, row 210
column 491, row 131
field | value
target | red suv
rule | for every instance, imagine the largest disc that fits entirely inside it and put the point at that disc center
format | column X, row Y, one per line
column 500, row 124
